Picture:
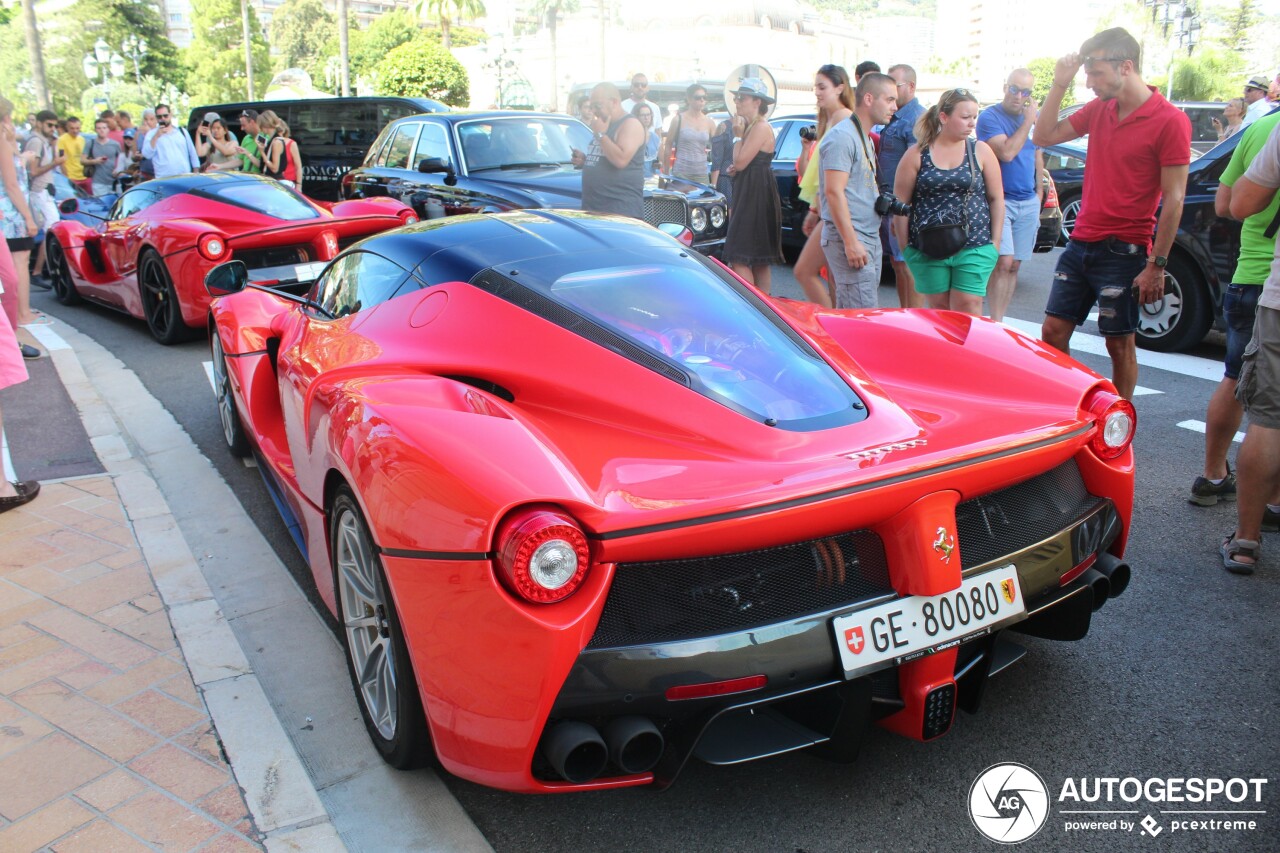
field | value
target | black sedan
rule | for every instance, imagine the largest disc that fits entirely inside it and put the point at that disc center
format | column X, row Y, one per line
column 1204, row 253
column 447, row 164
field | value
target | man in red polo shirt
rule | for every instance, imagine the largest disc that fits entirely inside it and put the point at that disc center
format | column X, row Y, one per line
column 1139, row 149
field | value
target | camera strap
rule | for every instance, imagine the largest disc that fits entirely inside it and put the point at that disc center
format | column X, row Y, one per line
column 866, row 147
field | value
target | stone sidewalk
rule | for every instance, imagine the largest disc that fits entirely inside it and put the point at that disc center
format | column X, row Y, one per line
column 129, row 717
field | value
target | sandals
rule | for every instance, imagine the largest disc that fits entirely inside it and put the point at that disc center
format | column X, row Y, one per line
column 1233, row 547
column 27, row 491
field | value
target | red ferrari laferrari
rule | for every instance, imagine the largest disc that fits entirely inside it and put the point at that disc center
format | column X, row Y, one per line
column 149, row 256
column 588, row 506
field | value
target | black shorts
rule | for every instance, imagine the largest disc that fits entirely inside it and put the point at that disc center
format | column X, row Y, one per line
column 21, row 244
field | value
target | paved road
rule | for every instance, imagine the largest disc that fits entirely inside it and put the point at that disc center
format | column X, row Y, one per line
column 1175, row 680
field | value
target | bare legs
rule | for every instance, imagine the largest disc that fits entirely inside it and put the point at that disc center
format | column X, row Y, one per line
column 955, row 300
column 808, row 267
column 761, row 276
column 1000, row 287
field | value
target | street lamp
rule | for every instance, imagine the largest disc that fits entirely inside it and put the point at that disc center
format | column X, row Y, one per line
column 135, row 48
column 99, row 60
column 496, row 48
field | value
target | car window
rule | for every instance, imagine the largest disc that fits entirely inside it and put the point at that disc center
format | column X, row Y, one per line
column 401, row 146
column 358, row 281
column 788, row 144
column 432, row 143
column 1058, row 158
column 520, row 140
column 269, row 197
column 131, row 202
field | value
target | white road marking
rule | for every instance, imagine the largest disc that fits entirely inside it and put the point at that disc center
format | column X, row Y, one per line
column 1199, row 426
column 1174, row 362
column 1142, row 391
column 47, row 337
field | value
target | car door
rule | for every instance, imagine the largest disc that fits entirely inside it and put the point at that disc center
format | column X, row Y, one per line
column 787, row 149
column 119, row 249
column 315, row 344
column 434, row 143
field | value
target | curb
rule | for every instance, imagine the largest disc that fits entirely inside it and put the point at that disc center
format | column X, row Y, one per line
column 278, row 791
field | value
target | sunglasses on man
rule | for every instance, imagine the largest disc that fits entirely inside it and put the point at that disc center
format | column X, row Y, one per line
column 1014, row 90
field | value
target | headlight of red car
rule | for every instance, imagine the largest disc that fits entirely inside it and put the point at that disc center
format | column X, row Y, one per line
column 212, row 247
column 542, row 555
column 1116, row 421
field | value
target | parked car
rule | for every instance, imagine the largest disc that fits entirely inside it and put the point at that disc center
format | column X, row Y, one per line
column 1204, row 253
column 587, row 506
column 149, row 256
column 447, row 164
column 1202, row 113
column 787, row 132
column 333, row 134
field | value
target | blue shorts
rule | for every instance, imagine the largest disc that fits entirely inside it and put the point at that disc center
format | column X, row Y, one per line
column 1239, row 309
column 1021, row 226
column 1101, row 272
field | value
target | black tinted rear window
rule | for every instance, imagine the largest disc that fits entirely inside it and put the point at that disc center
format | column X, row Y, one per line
column 267, row 197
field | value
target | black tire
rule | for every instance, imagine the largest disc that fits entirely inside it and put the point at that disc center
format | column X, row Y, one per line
column 232, row 427
column 377, row 657
column 1181, row 319
column 64, row 288
column 1070, row 210
column 160, row 306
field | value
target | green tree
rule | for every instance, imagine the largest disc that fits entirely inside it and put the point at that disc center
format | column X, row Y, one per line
column 422, row 68
column 386, row 33
column 300, row 30
column 445, row 11
column 1210, row 74
column 1238, row 24
column 549, row 11
column 216, row 55
column 1042, row 68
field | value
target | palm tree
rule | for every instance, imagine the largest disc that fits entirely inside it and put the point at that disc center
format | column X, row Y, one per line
column 36, row 55
column 444, row 9
column 549, row 11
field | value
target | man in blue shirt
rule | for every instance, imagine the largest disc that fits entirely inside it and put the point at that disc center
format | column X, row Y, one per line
column 169, row 148
column 1006, row 127
column 899, row 135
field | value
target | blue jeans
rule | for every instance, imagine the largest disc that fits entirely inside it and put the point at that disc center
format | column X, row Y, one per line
column 1239, row 308
column 1100, row 272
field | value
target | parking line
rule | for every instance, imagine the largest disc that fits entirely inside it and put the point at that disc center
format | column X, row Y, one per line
column 1199, row 426
column 1174, row 362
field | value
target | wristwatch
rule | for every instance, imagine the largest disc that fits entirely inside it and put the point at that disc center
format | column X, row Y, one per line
column 1159, row 260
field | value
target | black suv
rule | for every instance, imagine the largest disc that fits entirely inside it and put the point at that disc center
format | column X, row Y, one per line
column 333, row 134
column 446, row 164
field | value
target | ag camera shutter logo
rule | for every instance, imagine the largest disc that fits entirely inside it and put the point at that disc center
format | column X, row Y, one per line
column 1008, row 803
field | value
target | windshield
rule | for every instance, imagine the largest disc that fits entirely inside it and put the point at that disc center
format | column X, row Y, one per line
column 731, row 351
column 273, row 199
column 520, row 142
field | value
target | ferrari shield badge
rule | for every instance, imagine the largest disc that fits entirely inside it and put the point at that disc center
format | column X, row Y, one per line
column 944, row 545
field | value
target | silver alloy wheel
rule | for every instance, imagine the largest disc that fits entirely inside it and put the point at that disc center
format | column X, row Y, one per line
column 222, row 390
column 1159, row 318
column 1069, row 214
column 364, row 618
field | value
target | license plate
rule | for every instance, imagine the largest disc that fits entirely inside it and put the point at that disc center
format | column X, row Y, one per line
column 916, row 626
column 308, row 272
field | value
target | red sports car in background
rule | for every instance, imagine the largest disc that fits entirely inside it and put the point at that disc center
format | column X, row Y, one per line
column 149, row 256
column 587, row 506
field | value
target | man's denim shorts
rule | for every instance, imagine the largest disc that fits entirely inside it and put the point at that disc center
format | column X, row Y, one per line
column 1099, row 273
column 1239, row 308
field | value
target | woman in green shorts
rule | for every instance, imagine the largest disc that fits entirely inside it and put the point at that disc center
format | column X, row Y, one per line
column 950, row 179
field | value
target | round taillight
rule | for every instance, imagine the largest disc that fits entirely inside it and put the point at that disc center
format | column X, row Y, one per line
column 542, row 555
column 408, row 217
column 212, row 247
column 1116, row 420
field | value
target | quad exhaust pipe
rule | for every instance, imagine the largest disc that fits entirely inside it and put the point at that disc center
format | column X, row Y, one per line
column 578, row 752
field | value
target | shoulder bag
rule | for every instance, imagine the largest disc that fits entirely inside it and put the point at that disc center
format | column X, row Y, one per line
column 944, row 239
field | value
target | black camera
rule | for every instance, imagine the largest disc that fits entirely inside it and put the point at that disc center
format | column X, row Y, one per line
column 810, row 133
column 889, row 204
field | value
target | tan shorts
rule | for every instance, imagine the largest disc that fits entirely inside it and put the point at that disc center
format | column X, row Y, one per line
column 1259, row 386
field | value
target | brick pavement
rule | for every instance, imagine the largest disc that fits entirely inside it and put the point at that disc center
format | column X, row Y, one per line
column 105, row 742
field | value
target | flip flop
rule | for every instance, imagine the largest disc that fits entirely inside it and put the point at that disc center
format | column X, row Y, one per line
column 40, row 320
column 1233, row 547
column 27, row 491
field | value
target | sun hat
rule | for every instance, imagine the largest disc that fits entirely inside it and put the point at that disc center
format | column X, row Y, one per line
column 1258, row 82
column 755, row 88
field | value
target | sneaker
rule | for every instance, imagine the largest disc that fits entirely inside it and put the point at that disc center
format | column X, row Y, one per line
column 1270, row 520
column 1205, row 492
column 39, row 282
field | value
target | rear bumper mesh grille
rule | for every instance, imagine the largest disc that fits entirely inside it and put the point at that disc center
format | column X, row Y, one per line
column 675, row 600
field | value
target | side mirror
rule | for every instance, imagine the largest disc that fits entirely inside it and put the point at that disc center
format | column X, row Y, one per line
column 224, row 279
column 68, row 206
column 434, row 164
